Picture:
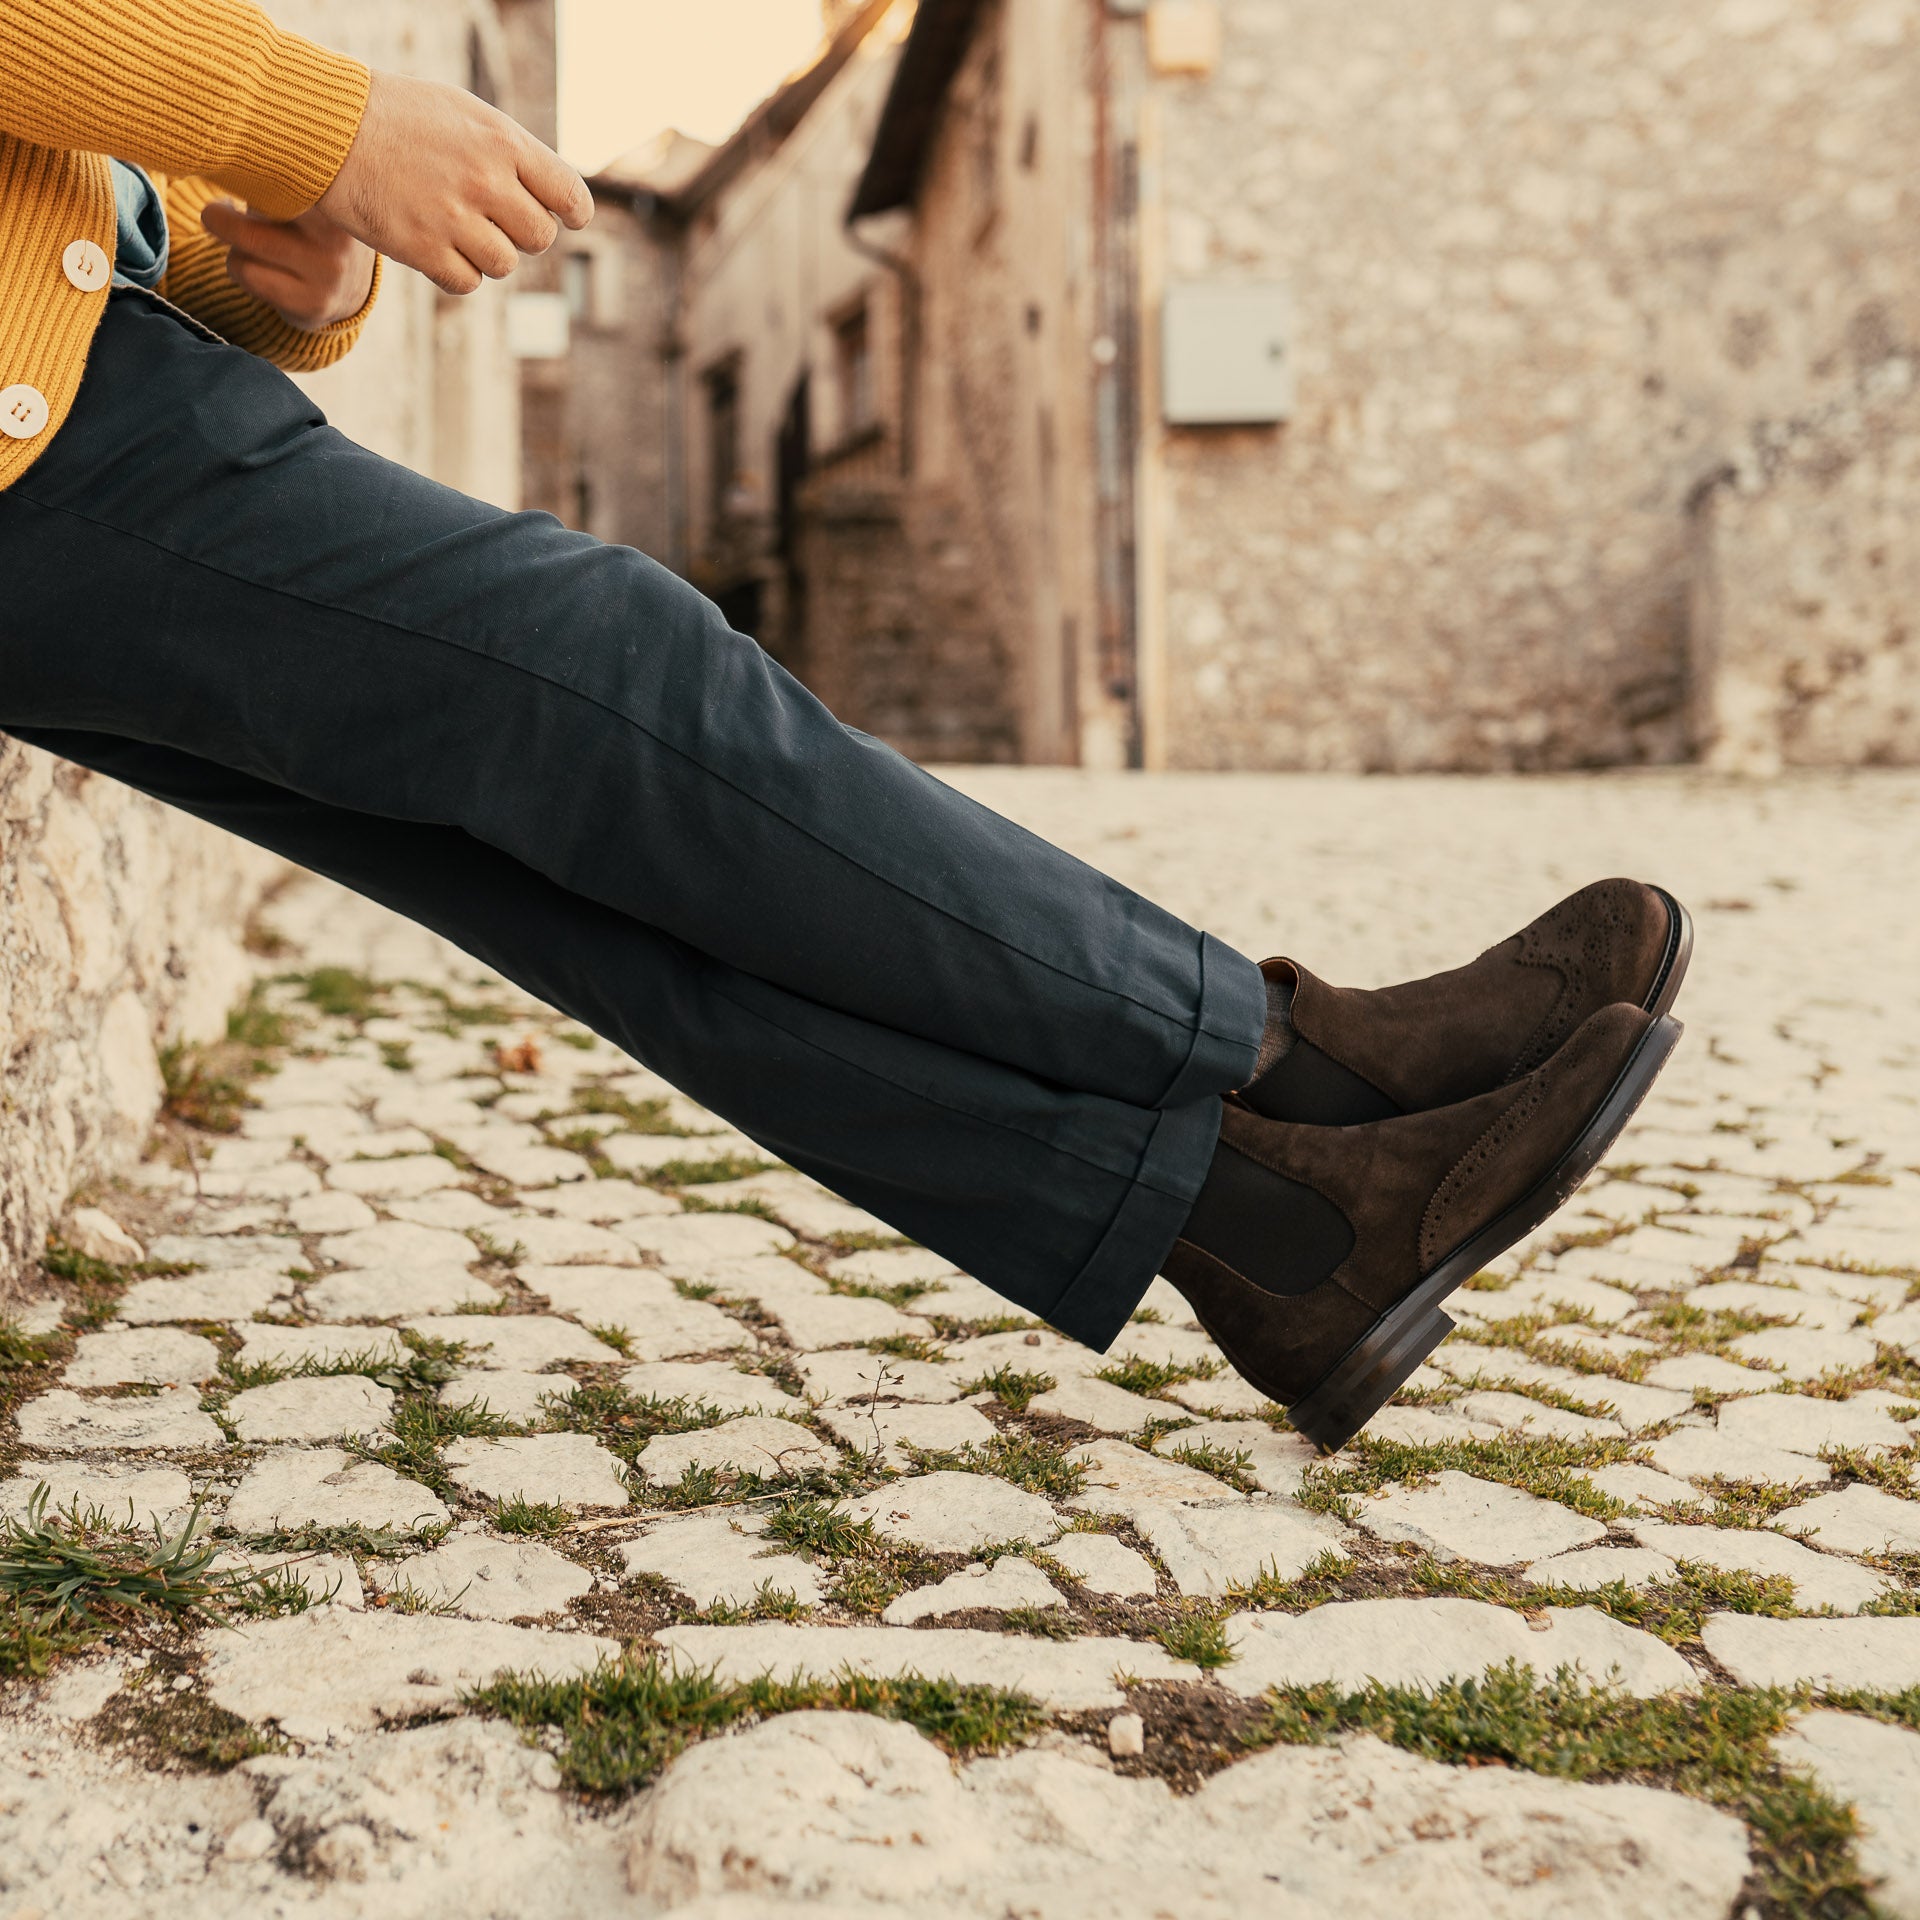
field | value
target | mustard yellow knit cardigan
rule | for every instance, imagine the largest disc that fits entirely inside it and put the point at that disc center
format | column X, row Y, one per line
column 212, row 99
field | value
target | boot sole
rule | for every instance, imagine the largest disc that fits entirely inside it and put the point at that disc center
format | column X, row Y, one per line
column 1378, row 1365
column 1679, row 956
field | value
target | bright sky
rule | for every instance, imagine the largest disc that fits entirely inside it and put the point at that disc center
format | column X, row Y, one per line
column 630, row 67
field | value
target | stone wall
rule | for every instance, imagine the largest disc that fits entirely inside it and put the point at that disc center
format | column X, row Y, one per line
column 1554, row 266
column 1807, row 612
column 120, row 922
column 122, row 934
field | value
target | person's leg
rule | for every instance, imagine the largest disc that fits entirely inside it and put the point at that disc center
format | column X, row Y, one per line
column 1065, row 1202
column 199, row 561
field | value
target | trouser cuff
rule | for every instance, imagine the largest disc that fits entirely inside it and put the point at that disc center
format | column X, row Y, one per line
column 1102, row 1296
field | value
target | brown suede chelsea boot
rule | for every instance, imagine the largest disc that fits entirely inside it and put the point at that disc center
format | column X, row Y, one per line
column 1359, row 1055
column 1318, row 1257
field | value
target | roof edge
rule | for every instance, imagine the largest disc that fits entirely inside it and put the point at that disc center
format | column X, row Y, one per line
column 942, row 32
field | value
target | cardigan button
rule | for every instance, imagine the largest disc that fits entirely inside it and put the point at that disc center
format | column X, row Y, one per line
column 87, row 266
column 23, row 412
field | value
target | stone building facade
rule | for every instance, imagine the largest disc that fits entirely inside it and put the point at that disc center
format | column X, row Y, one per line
column 121, row 922
column 1602, row 323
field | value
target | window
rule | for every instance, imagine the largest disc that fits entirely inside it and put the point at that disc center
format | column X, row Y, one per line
column 853, row 372
column 723, row 437
column 576, row 280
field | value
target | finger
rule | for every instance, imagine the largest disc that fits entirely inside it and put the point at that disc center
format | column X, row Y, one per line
column 525, row 222
column 451, row 272
column 555, row 184
column 247, row 233
column 289, row 292
column 487, row 249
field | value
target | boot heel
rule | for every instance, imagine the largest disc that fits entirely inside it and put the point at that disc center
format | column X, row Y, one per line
column 1367, row 1379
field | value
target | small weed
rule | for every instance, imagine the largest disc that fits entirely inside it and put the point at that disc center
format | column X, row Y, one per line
column 1153, row 1377
column 619, row 1726
column 69, row 1577
column 816, row 1526
column 618, row 1338
column 908, row 1346
column 516, row 1515
column 1012, row 1388
column 768, row 1603
column 499, row 1253
column 753, row 1209
column 1197, row 1636
column 624, row 1421
column 197, row 1093
column 695, row 1172
column 900, row 1293
column 1315, row 1584
column 1540, row 1464
column 397, row 1055
column 842, row 1244
column 1037, row 1465
column 1890, row 1472
column 640, row 1116
column 370, row 1543
column 1039, row 1623
column 340, row 993
column 407, row 1598
column 256, row 1026
column 20, row 1349
column 1234, row 1466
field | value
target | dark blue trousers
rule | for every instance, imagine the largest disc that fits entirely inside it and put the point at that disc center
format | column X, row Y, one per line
column 557, row 754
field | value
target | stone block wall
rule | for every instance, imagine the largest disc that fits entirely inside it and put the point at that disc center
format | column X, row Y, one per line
column 1806, row 627
column 1554, row 265
column 123, row 933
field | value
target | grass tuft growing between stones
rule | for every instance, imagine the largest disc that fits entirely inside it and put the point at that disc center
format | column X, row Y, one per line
column 340, row 993
column 709, row 1171
column 1014, row 1389
column 1199, row 1636
column 619, row 1726
column 20, row 1349
column 1234, row 1465
column 622, row 1421
column 68, row 1578
column 1151, row 1377
column 538, row 1518
column 1027, row 1461
column 1714, row 1745
column 1552, row 1467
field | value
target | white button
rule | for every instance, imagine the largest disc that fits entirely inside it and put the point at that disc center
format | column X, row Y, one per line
column 23, row 412
column 87, row 266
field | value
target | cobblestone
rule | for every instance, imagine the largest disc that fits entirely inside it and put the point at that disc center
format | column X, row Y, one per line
column 1706, row 1362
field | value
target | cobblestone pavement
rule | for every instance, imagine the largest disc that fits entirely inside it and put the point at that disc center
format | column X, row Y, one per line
column 508, row 1358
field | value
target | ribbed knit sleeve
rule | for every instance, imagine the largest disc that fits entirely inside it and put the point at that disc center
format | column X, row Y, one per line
column 208, row 87
column 197, row 281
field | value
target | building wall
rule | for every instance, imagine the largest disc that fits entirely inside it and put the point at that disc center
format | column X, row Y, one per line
column 431, row 383
column 766, row 266
column 1554, row 266
column 1807, row 612
column 621, row 478
column 1005, row 244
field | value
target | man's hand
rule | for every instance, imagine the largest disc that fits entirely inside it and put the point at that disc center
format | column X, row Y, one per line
column 310, row 271
column 446, row 184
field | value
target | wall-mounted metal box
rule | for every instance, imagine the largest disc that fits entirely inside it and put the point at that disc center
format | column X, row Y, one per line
column 1227, row 355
